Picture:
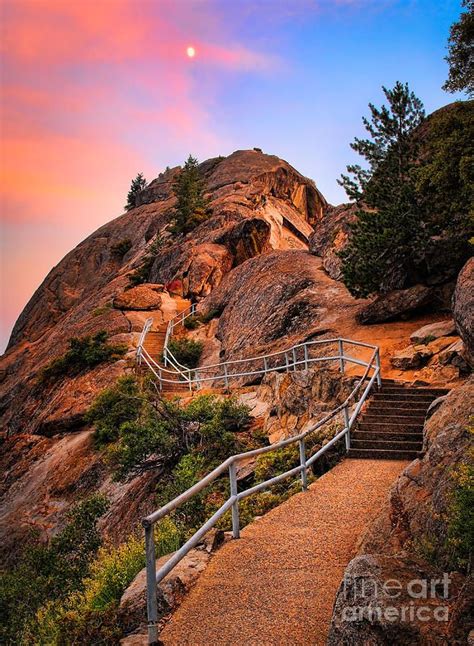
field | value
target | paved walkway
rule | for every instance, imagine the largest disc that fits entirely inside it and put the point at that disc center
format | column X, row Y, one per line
column 276, row 585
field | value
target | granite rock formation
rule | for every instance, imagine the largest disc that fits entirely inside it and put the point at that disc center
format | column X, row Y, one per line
column 463, row 308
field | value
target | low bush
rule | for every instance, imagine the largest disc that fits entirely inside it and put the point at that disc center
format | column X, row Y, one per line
column 210, row 315
column 150, row 432
column 460, row 525
column 186, row 351
column 83, row 354
column 50, row 572
column 89, row 614
column 113, row 407
column 191, row 323
column 102, row 309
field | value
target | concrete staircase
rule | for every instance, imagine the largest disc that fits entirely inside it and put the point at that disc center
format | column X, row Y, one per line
column 391, row 425
column 154, row 344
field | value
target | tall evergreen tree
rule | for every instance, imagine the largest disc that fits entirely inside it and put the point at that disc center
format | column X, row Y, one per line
column 138, row 184
column 192, row 207
column 389, row 234
column 461, row 52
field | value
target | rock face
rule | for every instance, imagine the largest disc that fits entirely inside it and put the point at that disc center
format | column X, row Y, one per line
column 274, row 300
column 258, row 201
column 296, row 399
column 463, row 308
column 331, row 236
column 394, row 549
column 402, row 303
column 143, row 297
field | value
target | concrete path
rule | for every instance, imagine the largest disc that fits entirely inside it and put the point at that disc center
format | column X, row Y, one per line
column 276, row 585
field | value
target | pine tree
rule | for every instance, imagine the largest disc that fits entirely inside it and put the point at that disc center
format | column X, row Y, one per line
column 389, row 233
column 137, row 185
column 461, row 52
column 192, row 207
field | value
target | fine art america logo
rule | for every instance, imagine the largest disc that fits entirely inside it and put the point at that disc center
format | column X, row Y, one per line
column 373, row 600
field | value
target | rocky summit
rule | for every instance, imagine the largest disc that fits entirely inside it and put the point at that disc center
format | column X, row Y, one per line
column 264, row 273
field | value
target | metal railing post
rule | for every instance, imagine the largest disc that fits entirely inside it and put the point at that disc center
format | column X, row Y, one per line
column 226, row 377
column 265, row 365
column 151, row 602
column 341, row 355
column 377, row 363
column 294, row 358
column 304, row 475
column 305, row 357
column 287, row 361
column 347, row 436
column 235, row 506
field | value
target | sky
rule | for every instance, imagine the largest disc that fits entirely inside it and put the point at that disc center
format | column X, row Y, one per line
column 93, row 92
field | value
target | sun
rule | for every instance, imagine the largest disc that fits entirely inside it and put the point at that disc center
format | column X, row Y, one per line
column 191, row 52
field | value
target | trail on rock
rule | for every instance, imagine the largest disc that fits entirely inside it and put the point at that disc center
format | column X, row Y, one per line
column 276, row 585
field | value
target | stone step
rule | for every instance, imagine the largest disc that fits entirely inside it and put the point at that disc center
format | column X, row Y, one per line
column 393, row 419
column 394, row 411
column 390, row 445
column 373, row 436
column 402, row 396
column 382, row 454
column 408, row 427
column 431, row 392
column 391, row 404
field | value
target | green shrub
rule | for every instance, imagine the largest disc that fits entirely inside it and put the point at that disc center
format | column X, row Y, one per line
column 113, row 407
column 50, row 572
column 210, row 315
column 186, row 351
column 136, row 187
column 102, row 309
column 460, row 542
column 191, row 323
column 163, row 432
column 192, row 206
column 89, row 614
column 121, row 248
column 83, row 354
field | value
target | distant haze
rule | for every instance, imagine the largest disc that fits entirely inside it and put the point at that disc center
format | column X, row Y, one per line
column 92, row 93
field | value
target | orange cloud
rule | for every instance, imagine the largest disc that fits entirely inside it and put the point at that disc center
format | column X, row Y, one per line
column 93, row 92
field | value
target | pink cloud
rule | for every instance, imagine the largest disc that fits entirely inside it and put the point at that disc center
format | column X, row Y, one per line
column 92, row 93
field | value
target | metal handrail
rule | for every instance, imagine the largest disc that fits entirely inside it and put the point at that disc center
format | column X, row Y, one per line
column 229, row 465
column 197, row 376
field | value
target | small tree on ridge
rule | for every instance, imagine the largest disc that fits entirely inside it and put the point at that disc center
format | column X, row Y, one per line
column 137, row 185
column 192, row 207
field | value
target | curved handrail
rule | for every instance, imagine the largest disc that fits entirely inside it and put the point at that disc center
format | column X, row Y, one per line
column 232, row 502
column 223, row 370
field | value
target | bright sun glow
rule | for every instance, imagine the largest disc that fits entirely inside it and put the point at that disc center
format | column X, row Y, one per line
column 191, row 52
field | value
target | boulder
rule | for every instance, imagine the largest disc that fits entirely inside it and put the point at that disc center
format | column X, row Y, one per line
column 411, row 357
column 295, row 399
column 433, row 331
column 383, row 601
column 142, row 297
column 397, row 304
column 463, row 308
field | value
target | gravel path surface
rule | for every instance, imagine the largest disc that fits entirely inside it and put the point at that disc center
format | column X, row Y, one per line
column 276, row 585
